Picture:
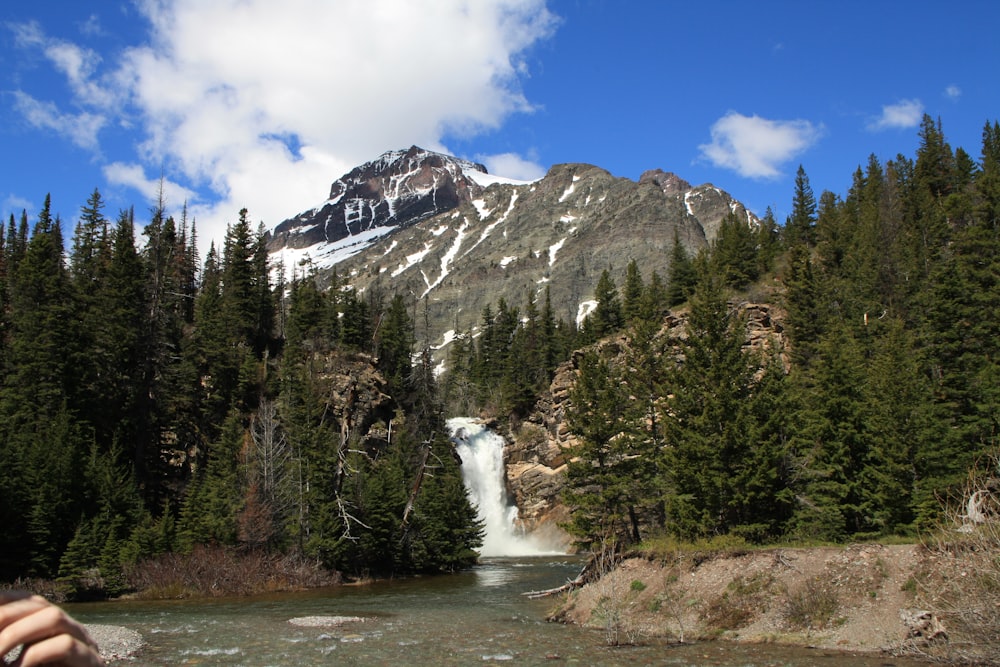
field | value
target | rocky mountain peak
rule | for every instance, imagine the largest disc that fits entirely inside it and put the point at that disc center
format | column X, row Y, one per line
column 670, row 183
column 393, row 191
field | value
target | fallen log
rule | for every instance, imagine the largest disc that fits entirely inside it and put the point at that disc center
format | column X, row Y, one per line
column 596, row 567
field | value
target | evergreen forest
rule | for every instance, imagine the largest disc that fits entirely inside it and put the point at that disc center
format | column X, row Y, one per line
column 152, row 403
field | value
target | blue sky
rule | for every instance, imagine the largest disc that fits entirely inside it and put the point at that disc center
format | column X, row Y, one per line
column 261, row 104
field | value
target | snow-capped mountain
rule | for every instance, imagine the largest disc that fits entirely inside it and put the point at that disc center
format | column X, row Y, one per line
column 442, row 231
column 392, row 192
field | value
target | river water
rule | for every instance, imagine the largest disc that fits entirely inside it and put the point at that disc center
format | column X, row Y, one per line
column 471, row 618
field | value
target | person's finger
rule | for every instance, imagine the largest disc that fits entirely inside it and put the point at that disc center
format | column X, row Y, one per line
column 32, row 620
column 62, row 649
column 11, row 596
column 15, row 608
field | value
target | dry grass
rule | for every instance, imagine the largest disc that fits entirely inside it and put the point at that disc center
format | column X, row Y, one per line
column 811, row 607
column 960, row 584
column 218, row 572
column 48, row 589
column 744, row 599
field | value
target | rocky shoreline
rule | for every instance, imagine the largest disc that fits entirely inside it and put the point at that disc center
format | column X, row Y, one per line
column 115, row 642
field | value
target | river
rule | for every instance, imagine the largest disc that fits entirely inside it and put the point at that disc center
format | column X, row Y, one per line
column 470, row 618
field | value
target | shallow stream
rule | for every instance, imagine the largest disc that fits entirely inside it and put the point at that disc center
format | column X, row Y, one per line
column 471, row 618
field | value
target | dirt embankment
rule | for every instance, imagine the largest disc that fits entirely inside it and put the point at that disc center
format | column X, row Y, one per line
column 857, row 598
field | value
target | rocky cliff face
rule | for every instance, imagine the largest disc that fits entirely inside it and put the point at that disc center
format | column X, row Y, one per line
column 541, row 446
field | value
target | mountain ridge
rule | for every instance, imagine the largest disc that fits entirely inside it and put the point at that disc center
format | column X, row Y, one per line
column 455, row 245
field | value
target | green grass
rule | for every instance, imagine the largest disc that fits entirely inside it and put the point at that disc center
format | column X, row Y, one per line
column 668, row 548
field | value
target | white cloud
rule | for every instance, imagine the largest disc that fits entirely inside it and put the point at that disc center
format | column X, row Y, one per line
column 266, row 103
column 92, row 26
column 756, row 147
column 14, row 205
column 512, row 165
column 953, row 92
column 346, row 81
column 902, row 115
column 77, row 64
column 80, row 128
column 134, row 176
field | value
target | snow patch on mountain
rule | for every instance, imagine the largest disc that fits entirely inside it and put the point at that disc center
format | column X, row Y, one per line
column 481, row 207
column 490, row 227
column 687, row 203
column 553, row 249
column 448, row 257
column 569, row 190
column 414, row 259
column 328, row 254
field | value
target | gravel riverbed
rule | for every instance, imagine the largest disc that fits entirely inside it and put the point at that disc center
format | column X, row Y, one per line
column 115, row 641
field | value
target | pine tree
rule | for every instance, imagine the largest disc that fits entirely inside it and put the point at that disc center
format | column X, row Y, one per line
column 655, row 301
column 632, row 293
column 53, row 450
column 805, row 320
column 932, row 182
column 120, row 303
column 395, row 347
column 830, row 439
column 900, row 425
column 961, row 330
column 607, row 317
column 526, row 374
column 379, row 492
column 601, row 492
column 209, row 513
column 101, row 537
column 355, row 325
column 42, row 340
column 307, row 317
column 734, row 253
column 246, row 299
column 445, row 530
column 800, row 227
column 89, row 251
column 722, row 459
column 768, row 240
column 160, row 377
column 683, row 277
column 458, row 390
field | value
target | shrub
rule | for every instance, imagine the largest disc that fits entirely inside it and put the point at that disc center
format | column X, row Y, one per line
column 742, row 601
column 218, row 571
column 812, row 607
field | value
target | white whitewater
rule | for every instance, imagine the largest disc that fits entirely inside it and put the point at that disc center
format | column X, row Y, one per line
column 481, row 451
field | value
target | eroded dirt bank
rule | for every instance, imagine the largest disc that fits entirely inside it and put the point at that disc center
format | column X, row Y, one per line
column 856, row 598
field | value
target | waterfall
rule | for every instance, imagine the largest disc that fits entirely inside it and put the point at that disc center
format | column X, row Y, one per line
column 483, row 472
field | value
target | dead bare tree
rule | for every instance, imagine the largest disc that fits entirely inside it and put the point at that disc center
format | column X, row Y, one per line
column 960, row 594
column 269, row 475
